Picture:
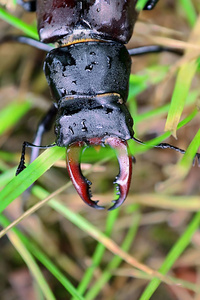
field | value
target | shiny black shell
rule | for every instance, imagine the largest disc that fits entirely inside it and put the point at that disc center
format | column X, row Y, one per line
column 83, row 118
column 89, row 68
column 89, row 82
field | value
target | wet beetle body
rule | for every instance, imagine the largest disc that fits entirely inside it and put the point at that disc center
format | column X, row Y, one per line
column 88, row 75
column 90, row 91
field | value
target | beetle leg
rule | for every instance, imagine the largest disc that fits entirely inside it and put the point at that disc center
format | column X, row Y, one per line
column 25, row 145
column 150, row 4
column 81, row 184
column 125, row 166
column 27, row 41
column 28, row 5
column 43, row 127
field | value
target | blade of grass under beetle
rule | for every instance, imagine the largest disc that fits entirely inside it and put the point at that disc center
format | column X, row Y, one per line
column 28, row 176
column 116, row 260
column 43, row 193
column 183, row 83
column 42, row 257
column 98, row 254
column 86, row 226
column 32, row 265
column 89, row 228
column 173, row 255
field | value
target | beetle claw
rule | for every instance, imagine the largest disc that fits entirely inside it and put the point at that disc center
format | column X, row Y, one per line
column 82, row 184
column 123, row 180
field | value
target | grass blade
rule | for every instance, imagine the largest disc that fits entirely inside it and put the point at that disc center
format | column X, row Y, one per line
column 189, row 11
column 183, row 83
column 173, row 255
column 21, row 182
column 43, row 259
column 29, row 260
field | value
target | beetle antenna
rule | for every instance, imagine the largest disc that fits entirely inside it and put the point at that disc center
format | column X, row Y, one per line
column 168, row 146
column 152, row 49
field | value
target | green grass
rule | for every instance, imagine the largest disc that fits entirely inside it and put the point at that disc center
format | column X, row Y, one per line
column 101, row 244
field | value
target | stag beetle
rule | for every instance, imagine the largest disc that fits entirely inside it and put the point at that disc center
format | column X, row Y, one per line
column 88, row 74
